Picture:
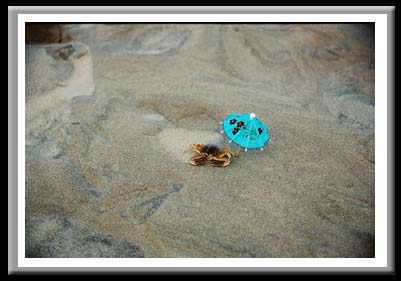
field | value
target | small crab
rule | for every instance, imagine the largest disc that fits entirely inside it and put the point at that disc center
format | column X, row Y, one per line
column 210, row 154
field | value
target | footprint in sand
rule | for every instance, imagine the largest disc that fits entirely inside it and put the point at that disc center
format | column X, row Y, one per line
column 141, row 212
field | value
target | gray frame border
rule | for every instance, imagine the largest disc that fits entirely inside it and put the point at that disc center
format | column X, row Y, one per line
column 13, row 12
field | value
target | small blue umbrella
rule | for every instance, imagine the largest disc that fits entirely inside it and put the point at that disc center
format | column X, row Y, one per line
column 246, row 131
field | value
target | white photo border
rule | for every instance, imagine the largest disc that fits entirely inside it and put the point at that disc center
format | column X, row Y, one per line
column 381, row 254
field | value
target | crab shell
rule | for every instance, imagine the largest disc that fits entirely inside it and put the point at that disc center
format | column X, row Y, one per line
column 209, row 154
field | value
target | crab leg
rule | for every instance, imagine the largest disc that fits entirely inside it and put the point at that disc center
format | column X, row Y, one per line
column 193, row 147
column 238, row 150
column 229, row 151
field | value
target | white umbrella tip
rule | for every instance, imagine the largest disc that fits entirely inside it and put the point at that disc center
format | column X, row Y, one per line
column 252, row 115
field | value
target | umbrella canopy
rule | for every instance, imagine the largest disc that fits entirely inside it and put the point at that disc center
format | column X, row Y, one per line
column 246, row 131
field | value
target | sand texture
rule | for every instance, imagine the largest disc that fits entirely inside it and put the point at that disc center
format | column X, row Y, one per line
column 109, row 113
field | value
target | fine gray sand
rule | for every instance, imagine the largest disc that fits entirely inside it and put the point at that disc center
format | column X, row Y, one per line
column 109, row 113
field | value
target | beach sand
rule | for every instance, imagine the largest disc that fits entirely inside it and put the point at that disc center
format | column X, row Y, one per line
column 109, row 113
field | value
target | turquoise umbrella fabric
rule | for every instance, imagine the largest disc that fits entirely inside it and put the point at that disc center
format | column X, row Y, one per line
column 246, row 131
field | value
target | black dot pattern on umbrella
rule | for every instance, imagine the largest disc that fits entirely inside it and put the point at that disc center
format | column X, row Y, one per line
column 240, row 124
column 260, row 131
column 232, row 121
column 235, row 131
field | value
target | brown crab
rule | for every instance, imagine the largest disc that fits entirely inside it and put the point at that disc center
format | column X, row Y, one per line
column 210, row 154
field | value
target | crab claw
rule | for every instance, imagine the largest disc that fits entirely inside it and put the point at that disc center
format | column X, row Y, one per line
column 197, row 160
column 220, row 162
